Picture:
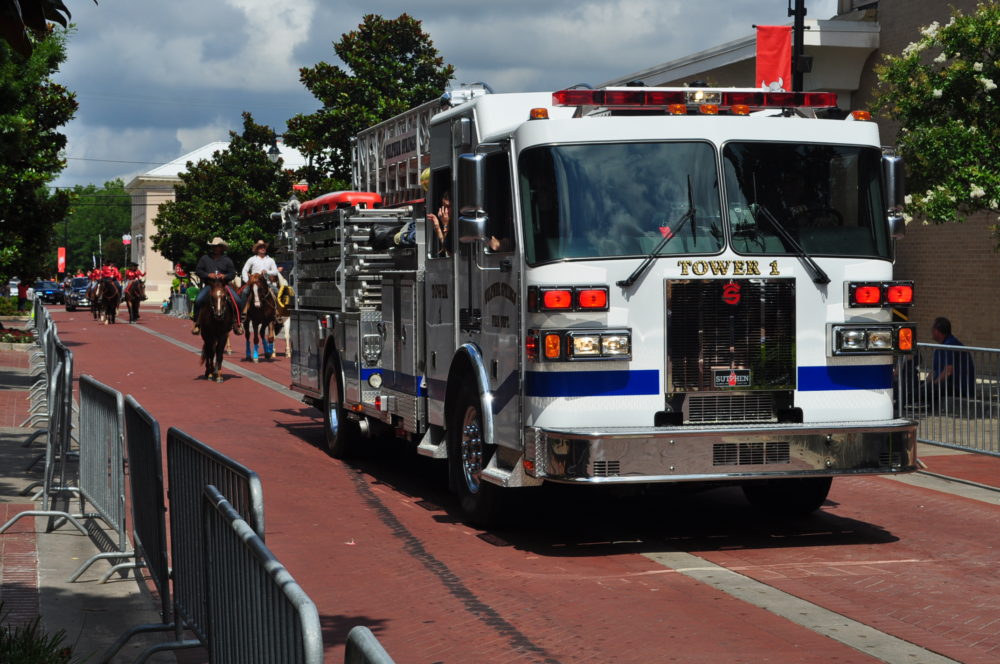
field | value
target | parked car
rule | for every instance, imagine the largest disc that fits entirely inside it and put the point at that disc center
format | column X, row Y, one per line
column 50, row 292
column 76, row 294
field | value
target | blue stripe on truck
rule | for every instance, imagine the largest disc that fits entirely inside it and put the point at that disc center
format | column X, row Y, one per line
column 853, row 377
column 591, row 383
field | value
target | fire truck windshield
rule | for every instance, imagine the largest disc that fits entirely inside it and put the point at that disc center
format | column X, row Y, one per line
column 827, row 197
column 619, row 199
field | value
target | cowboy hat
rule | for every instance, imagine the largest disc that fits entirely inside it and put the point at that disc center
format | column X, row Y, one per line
column 258, row 244
column 218, row 240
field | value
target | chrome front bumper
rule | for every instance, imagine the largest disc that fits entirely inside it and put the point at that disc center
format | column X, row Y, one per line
column 689, row 454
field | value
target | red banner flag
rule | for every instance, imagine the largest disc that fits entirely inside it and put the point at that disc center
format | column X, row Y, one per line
column 61, row 259
column 774, row 57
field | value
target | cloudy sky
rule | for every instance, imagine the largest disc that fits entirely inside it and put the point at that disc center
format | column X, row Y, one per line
column 156, row 79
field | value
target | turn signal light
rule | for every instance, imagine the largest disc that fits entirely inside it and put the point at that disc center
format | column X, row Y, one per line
column 553, row 346
column 906, row 338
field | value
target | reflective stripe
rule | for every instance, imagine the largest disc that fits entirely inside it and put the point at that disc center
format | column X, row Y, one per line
column 854, row 377
column 591, row 383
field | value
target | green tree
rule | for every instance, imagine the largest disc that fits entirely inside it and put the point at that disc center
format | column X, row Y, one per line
column 391, row 66
column 942, row 90
column 97, row 219
column 231, row 195
column 32, row 108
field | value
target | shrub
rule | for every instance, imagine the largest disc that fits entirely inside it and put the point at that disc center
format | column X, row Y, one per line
column 29, row 644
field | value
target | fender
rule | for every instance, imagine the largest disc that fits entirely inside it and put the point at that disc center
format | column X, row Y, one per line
column 470, row 355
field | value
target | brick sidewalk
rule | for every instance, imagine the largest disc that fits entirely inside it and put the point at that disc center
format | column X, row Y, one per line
column 18, row 566
column 18, row 545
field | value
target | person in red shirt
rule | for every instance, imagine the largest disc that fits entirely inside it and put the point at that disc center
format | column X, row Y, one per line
column 132, row 273
column 109, row 271
column 95, row 282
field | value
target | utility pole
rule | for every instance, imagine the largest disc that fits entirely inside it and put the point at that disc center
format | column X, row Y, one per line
column 801, row 64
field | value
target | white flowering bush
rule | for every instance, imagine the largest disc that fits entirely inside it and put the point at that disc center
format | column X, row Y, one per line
column 942, row 90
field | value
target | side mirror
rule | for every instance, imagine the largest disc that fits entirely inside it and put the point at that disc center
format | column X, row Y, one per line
column 471, row 197
column 895, row 193
column 895, row 185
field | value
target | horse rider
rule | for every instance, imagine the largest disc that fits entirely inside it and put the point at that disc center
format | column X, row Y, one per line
column 216, row 266
column 261, row 263
column 95, row 281
column 109, row 271
column 131, row 274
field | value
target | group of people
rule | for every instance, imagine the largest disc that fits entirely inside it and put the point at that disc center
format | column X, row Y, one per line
column 216, row 265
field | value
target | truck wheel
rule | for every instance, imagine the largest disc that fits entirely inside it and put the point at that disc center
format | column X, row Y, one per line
column 468, row 455
column 793, row 496
column 341, row 433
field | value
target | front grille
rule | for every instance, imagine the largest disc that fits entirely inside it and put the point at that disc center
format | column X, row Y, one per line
column 607, row 468
column 749, row 454
column 721, row 325
column 733, row 407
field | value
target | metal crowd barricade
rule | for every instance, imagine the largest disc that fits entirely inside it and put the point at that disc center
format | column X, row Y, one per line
column 179, row 305
column 256, row 611
column 963, row 413
column 102, row 469
column 364, row 648
column 190, row 466
column 149, row 528
column 57, row 447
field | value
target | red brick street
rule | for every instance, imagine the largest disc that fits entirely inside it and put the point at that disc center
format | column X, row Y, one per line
column 583, row 576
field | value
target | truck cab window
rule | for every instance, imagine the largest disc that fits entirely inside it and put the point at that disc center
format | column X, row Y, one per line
column 826, row 196
column 499, row 207
column 619, row 199
column 440, row 213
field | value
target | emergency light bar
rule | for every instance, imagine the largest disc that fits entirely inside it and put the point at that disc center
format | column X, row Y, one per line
column 664, row 98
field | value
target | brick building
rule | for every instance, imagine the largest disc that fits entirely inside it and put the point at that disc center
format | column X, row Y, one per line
column 954, row 265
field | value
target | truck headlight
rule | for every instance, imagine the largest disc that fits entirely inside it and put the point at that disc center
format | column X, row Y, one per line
column 611, row 344
column 869, row 339
column 616, row 344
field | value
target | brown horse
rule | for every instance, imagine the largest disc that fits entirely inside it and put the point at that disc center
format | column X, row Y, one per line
column 94, row 292
column 260, row 313
column 135, row 293
column 109, row 296
column 215, row 318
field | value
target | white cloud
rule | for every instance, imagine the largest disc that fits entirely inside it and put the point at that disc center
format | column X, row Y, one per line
column 157, row 79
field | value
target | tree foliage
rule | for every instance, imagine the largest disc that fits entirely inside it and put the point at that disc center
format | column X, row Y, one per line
column 231, row 195
column 97, row 219
column 942, row 90
column 32, row 108
column 391, row 65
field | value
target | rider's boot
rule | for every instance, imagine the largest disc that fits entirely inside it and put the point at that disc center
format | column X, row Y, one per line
column 196, row 329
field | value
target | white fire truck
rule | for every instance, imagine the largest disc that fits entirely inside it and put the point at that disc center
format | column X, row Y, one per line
column 638, row 285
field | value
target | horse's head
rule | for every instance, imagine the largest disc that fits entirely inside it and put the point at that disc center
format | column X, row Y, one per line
column 217, row 297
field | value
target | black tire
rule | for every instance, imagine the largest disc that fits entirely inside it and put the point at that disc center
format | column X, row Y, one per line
column 468, row 455
column 340, row 433
column 793, row 496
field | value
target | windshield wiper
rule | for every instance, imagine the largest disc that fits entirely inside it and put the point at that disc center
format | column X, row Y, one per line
column 667, row 237
column 817, row 273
